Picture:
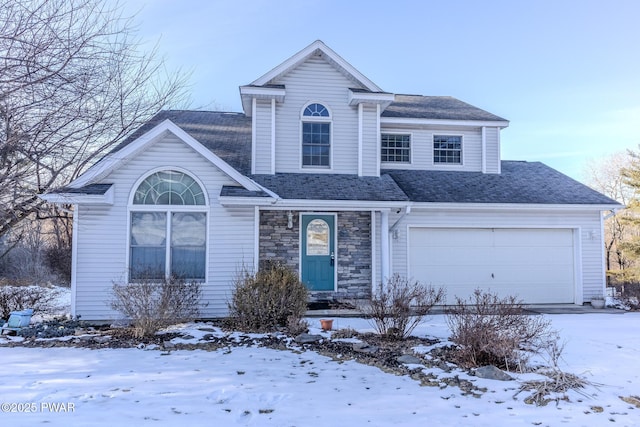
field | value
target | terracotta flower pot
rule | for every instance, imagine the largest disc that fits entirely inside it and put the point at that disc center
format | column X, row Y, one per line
column 326, row 324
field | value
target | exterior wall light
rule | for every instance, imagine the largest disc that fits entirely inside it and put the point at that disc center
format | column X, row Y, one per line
column 289, row 219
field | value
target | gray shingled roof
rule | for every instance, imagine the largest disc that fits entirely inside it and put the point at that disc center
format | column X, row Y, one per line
column 332, row 187
column 91, row 189
column 518, row 182
column 436, row 107
column 228, row 135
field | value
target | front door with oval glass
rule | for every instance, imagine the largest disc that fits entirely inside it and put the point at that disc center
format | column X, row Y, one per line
column 318, row 256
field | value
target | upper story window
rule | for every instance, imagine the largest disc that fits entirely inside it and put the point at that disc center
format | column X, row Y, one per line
column 447, row 149
column 395, row 148
column 168, row 228
column 316, row 136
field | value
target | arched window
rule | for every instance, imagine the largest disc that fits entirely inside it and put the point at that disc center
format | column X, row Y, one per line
column 316, row 136
column 168, row 230
column 169, row 188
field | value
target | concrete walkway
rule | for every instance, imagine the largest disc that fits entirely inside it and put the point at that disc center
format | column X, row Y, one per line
column 534, row 309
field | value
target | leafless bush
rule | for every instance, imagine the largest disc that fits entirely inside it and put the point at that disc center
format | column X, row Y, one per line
column 399, row 306
column 495, row 331
column 151, row 305
column 558, row 382
column 272, row 298
column 15, row 298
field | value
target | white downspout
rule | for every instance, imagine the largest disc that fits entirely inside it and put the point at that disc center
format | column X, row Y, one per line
column 74, row 261
column 384, row 245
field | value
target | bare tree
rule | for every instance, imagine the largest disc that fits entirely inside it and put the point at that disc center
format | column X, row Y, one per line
column 607, row 176
column 72, row 83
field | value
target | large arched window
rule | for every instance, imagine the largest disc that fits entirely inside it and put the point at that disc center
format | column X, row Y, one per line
column 168, row 228
column 316, row 136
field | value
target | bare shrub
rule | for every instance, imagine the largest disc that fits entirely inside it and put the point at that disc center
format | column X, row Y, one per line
column 558, row 382
column 151, row 305
column 399, row 306
column 15, row 298
column 490, row 330
column 272, row 298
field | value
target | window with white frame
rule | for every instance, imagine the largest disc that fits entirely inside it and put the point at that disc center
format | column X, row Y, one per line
column 447, row 149
column 168, row 228
column 316, row 136
column 395, row 148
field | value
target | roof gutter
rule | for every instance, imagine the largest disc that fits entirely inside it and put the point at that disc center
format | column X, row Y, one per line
column 613, row 212
column 407, row 211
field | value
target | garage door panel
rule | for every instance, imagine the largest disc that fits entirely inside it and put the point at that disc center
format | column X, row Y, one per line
column 441, row 276
column 532, row 275
column 536, row 256
column 444, row 256
column 536, row 265
column 533, row 238
column 447, row 238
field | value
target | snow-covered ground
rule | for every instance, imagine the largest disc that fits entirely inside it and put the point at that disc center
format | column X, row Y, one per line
column 251, row 386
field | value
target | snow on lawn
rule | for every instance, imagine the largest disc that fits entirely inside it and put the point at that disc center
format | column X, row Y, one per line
column 250, row 386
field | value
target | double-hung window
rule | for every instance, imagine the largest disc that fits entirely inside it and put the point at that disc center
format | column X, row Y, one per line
column 395, row 148
column 168, row 228
column 316, row 136
column 447, row 149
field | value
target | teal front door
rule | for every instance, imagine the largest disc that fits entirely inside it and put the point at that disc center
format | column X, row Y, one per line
column 318, row 252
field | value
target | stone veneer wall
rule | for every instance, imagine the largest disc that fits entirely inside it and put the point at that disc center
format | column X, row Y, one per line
column 354, row 255
column 279, row 243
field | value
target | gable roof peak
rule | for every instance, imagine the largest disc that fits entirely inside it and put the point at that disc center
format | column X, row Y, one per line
column 318, row 47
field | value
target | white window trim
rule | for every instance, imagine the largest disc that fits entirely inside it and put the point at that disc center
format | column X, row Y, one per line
column 316, row 119
column 168, row 210
column 410, row 162
column 462, row 151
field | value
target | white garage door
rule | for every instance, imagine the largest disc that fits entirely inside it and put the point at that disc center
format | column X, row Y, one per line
column 537, row 265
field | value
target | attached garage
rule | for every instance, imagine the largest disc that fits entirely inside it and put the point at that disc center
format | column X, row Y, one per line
column 537, row 265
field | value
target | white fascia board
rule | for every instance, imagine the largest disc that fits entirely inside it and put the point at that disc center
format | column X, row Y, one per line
column 264, row 92
column 404, row 121
column 248, row 93
column 305, row 53
column 77, row 198
column 333, row 205
column 510, row 206
column 246, row 201
column 338, row 205
column 382, row 98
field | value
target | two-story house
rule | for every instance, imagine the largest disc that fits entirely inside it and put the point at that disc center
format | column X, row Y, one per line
column 344, row 182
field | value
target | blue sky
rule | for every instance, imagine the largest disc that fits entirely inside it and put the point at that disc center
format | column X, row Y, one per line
column 565, row 73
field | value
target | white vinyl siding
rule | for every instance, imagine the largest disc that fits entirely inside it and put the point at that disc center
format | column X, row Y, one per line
column 422, row 148
column 316, row 81
column 492, row 145
column 589, row 263
column 103, row 233
column 370, row 143
column 262, row 120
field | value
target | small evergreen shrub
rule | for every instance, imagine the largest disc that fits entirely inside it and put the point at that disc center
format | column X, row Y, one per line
column 272, row 298
column 151, row 305
column 399, row 306
column 490, row 330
